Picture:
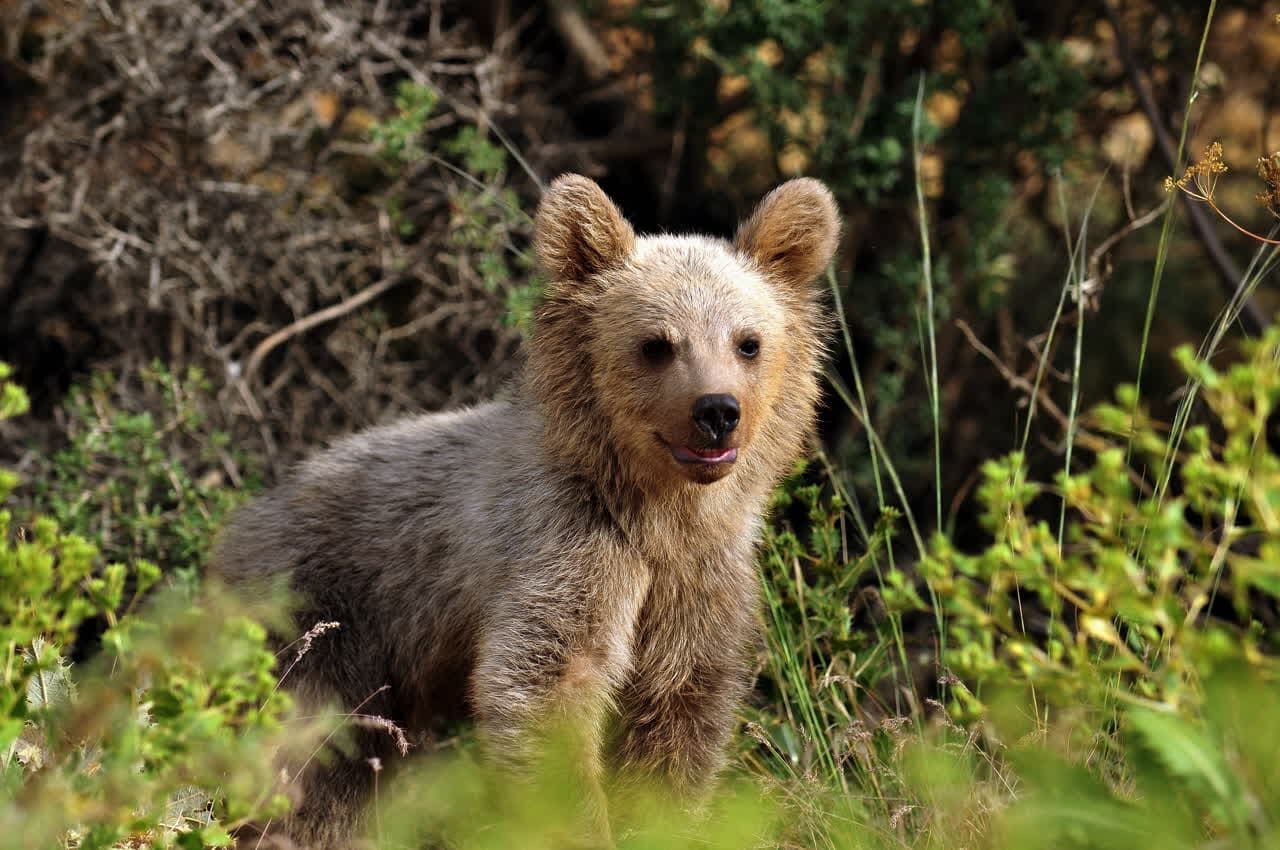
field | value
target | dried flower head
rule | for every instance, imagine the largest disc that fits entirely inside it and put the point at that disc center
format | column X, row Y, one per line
column 1201, row 177
column 383, row 724
column 895, row 818
column 304, row 642
column 1269, row 171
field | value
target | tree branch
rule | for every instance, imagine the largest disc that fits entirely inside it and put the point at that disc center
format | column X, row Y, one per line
column 567, row 18
column 317, row 318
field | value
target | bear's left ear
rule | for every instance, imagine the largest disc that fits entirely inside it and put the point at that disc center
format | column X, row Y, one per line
column 793, row 232
column 578, row 231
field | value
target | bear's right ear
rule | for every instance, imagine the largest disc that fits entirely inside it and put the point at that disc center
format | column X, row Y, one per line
column 578, row 231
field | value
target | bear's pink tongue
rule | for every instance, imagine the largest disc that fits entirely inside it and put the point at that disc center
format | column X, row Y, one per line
column 711, row 455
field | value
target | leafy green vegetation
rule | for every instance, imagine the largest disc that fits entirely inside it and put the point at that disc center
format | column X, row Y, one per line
column 159, row 740
column 1150, row 586
column 144, row 474
column 1109, row 677
column 483, row 214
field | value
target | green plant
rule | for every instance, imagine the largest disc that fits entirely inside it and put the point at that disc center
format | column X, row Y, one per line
column 815, row 675
column 143, row 474
column 1201, row 779
column 484, row 210
column 1147, row 591
column 164, row 738
column 438, row 804
column 397, row 138
column 13, row 399
column 1107, row 649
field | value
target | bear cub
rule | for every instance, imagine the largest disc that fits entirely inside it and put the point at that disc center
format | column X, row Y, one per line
column 579, row 551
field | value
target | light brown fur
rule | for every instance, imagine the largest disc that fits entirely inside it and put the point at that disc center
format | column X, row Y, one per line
column 545, row 556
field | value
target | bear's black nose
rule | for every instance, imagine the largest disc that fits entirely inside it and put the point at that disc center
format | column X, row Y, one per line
column 716, row 415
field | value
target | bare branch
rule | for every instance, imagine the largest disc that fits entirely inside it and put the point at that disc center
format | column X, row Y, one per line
column 304, row 324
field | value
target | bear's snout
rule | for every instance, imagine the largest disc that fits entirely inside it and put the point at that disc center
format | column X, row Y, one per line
column 716, row 415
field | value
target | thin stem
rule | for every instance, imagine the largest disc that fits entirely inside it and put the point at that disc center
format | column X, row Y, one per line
column 1162, row 251
column 927, row 269
column 857, row 385
column 1213, row 206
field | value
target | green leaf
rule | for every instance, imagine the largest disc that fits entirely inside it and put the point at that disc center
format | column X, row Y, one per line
column 1188, row 753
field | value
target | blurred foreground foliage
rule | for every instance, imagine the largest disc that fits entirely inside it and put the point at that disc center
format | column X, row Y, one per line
column 160, row 738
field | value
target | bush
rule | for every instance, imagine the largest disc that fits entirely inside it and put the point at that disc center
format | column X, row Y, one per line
column 144, row 474
column 1109, row 651
column 163, row 738
column 1164, row 561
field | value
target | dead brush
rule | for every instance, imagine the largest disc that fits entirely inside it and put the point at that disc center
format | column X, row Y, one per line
column 220, row 186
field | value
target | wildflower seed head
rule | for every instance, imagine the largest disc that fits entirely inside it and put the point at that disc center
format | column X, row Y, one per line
column 1201, row 177
column 895, row 819
column 1269, row 171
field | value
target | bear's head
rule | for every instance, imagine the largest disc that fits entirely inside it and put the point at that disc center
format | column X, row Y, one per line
column 677, row 359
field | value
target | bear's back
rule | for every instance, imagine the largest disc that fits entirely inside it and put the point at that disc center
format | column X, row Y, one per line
column 403, row 534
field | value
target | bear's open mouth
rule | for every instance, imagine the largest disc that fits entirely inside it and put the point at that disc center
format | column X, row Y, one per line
column 688, row 454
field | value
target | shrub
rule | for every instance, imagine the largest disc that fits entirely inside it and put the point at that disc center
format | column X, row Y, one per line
column 1165, row 560
column 1108, row 650
column 164, row 738
column 144, row 474
column 485, row 211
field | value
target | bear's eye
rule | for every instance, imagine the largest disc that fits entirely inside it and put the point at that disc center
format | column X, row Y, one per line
column 657, row 351
column 749, row 347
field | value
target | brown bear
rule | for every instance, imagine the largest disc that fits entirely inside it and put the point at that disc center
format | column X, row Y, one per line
column 582, row 549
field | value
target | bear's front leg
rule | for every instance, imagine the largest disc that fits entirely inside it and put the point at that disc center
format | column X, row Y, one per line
column 674, row 733
column 693, row 664
column 540, row 700
column 547, row 725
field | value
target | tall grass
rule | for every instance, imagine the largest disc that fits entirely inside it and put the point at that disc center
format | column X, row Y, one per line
column 1166, row 229
column 930, row 354
column 807, row 698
